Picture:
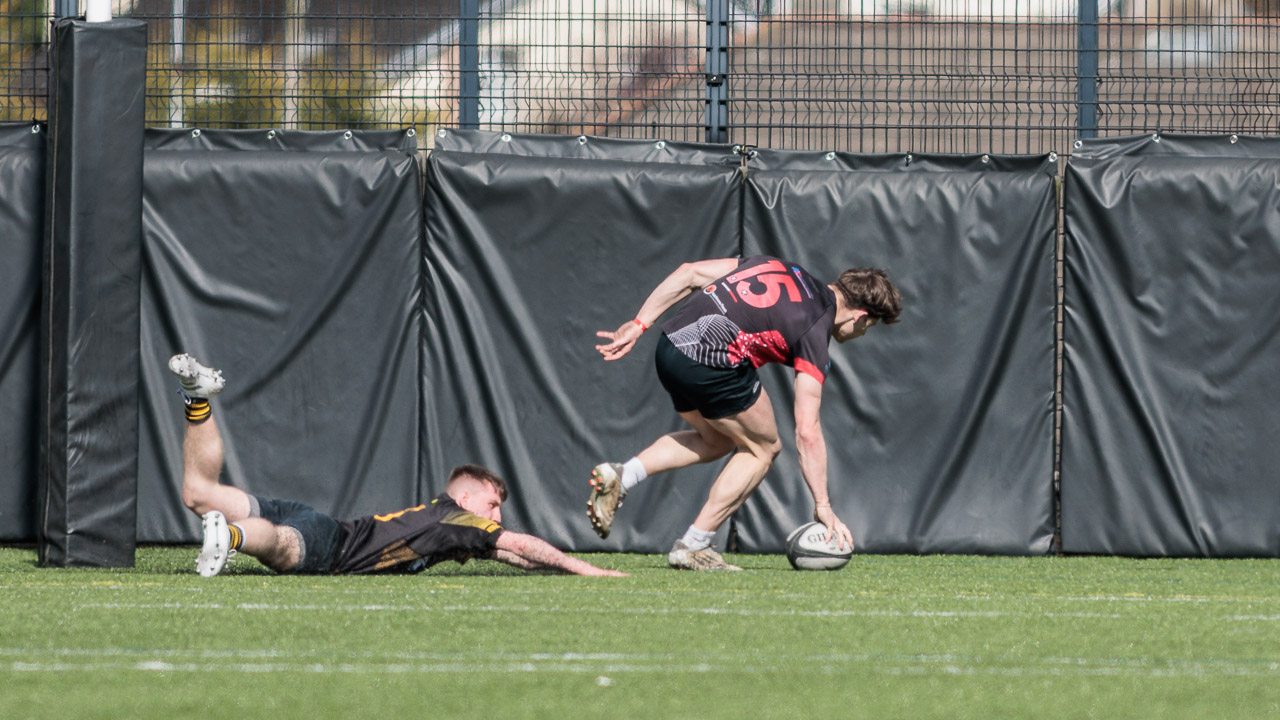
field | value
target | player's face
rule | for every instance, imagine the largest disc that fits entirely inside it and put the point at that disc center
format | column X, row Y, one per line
column 483, row 499
column 853, row 329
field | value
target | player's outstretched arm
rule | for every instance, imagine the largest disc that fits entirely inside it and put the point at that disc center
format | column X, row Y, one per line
column 676, row 287
column 529, row 552
column 811, row 446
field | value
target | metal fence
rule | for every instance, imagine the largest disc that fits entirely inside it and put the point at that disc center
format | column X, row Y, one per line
column 859, row 75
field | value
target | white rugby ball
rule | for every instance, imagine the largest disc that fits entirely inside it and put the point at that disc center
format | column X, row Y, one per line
column 808, row 549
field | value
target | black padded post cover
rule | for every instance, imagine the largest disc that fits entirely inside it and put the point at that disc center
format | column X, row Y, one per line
column 534, row 244
column 1172, row 340
column 22, row 158
column 291, row 261
column 89, row 323
column 939, row 429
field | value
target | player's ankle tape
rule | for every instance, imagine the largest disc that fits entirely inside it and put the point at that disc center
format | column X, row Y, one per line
column 198, row 411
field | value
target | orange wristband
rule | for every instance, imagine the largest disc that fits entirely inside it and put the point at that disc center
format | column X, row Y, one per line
column 643, row 327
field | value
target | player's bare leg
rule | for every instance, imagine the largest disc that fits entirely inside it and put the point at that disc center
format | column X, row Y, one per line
column 276, row 546
column 674, row 450
column 201, row 467
column 755, row 433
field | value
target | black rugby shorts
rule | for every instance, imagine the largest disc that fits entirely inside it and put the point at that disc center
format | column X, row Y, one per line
column 714, row 392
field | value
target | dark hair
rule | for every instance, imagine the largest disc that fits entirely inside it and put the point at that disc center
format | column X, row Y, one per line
column 482, row 474
column 870, row 289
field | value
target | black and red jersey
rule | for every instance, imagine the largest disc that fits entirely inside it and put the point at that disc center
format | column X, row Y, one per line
column 767, row 310
column 414, row 539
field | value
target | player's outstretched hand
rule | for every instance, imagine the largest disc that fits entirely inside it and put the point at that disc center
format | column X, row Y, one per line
column 602, row 572
column 835, row 528
column 620, row 341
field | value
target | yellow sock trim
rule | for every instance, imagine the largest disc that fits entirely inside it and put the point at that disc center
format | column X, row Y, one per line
column 198, row 411
column 237, row 536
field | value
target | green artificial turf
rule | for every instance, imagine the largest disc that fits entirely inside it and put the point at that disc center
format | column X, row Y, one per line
column 886, row 637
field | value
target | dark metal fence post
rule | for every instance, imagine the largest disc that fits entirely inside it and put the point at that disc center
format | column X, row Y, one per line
column 469, row 65
column 717, row 121
column 66, row 8
column 1087, row 71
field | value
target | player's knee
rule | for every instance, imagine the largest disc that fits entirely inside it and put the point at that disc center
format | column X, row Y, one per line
column 771, row 449
column 196, row 499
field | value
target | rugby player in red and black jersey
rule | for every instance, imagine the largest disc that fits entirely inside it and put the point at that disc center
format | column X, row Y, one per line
column 288, row 536
column 743, row 313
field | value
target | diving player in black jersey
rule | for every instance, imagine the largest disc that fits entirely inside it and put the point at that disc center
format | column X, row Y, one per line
column 741, row 314
column 288, row 536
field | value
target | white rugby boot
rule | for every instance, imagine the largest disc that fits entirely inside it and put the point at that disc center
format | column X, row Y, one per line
column 216, row 550
column 197, row 381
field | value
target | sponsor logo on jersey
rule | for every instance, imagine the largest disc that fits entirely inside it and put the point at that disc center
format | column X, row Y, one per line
column 710, row 290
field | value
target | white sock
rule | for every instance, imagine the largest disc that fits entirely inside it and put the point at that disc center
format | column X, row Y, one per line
column 696, row 539
column 632, row 473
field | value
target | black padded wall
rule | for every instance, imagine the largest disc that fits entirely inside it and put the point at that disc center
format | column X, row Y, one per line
column 22, row 159
column 534, row 244
column 939, row 428
column 87, row 478
column 1172, row 343
column 292, row 262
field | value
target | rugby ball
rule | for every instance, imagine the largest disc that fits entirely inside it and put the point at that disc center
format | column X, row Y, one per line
column 808, row 549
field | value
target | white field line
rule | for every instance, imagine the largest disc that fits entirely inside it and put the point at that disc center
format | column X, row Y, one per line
column 271, row 607
column 459, row 589
column 544, row 663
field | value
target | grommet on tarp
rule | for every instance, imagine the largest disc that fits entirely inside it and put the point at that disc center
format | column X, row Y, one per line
column 411, row 132
column 908, row 159
column 582, row 139
column 829, row 156
column 35, row 129
column 1078, row 144
column 744, row 153
column 506, row 137
column 441, row 133
column 986, row 159
column 195, row 133
column 346, row 135
column 1053, row 157
column 271, row 134
column 1155, row 137
column 660, row 144
column 1234, row 139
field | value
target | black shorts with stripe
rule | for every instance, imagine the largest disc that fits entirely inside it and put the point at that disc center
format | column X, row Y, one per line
column 713, row 392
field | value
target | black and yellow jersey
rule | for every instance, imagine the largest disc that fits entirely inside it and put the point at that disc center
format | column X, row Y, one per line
column 414, row 539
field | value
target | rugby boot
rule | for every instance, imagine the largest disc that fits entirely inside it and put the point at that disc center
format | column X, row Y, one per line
column 216, row 550
column 606, row 496
column 706, row 559
column 197, row 381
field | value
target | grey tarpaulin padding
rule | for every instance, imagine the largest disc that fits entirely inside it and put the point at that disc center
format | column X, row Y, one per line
column 22, row 158
column 939, row 429
column 89, row 320
column 531, row 251
column 291, row 261
column 1172, row 333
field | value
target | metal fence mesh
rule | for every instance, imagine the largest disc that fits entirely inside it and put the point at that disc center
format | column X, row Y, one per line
column 859, row 75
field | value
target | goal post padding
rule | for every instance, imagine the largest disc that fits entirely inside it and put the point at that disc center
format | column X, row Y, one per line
column 87, row 478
